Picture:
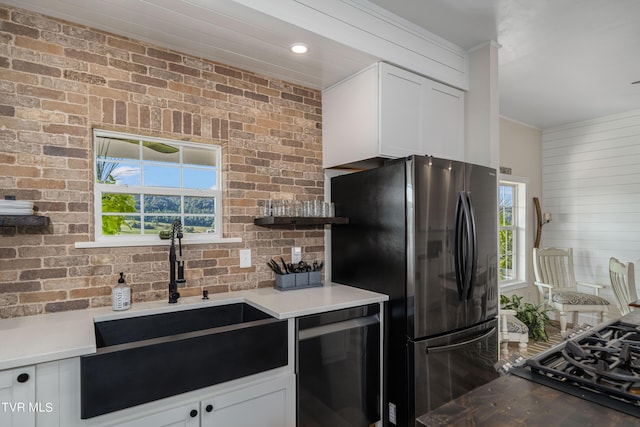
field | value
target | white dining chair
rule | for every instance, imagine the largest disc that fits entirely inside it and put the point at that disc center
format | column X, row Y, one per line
column 558, row 288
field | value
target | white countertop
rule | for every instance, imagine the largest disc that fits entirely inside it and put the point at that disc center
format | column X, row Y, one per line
column 47, row 337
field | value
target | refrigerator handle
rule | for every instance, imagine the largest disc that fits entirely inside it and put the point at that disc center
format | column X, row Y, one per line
column 450, row 347
column 473, row 256
column 458, row 240
column 467, row 240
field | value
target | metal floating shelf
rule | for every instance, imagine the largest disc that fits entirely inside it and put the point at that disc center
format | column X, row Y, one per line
column 23, row 220
column 283, row 221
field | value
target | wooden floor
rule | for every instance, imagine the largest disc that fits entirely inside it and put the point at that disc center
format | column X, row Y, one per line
column 535, row 347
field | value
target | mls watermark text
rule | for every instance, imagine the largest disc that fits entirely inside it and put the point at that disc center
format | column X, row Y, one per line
column 42, row 407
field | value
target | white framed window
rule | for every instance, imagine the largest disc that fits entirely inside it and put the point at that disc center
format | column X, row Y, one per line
column 142, row 184
column 512, row 196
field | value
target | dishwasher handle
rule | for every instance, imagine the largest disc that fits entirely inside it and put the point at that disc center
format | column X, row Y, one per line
column 359, row 322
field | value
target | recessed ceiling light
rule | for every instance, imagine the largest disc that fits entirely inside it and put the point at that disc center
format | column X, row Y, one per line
column 299, row 48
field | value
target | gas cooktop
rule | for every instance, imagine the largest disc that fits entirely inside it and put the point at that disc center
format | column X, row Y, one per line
column 601, row 365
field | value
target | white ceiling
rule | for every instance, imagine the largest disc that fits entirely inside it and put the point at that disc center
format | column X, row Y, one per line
column 560, row 61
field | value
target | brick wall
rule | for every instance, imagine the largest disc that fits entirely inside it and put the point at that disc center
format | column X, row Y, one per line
column 60, row 80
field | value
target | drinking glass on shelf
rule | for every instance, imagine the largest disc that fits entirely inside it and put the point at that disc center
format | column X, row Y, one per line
column 317, row 208
column 329, row 210
column 307, row 208
column 283, row 208
column 265, row 208
column 296, row 208
column 278, row 208
column 323, row 210
column 289, row 208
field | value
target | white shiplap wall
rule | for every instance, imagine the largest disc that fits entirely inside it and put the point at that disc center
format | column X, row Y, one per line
column 591, row 185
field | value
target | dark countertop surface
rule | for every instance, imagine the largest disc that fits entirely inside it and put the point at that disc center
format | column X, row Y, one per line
column 513, row 401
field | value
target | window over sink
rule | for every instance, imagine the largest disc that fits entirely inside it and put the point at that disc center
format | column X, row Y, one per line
column 142, row 184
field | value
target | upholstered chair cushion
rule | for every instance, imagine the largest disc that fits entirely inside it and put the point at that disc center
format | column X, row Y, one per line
column 577, row 298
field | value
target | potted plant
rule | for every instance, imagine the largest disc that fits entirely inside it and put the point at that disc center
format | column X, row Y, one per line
column 534, row 316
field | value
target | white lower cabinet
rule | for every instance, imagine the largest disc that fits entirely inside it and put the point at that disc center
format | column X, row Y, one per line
column 18, row 406
column 269, row 403
column 182, row 416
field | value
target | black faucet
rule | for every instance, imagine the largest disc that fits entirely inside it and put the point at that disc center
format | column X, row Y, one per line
column 175, row 261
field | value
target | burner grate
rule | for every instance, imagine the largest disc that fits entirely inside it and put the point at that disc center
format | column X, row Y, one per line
column 602, row 366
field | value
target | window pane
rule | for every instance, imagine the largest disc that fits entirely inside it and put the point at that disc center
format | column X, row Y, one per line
column 119, row 173
column 158, row 176
column 506, row 273
column 199, row 179
column 154, row 224
column 120, row 224
column 162, row 204
column 111, row 148
column 199, row 224
column 506, row 255
column 117, row 161
column 198, row 156
column 505, row 207
column 199, row 205
column 120, row 203
column 160, row 152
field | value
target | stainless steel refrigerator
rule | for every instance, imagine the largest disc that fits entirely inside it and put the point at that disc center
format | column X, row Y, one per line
column 424, row 231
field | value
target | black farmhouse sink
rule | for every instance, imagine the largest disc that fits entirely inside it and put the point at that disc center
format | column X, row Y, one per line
column 146, row 358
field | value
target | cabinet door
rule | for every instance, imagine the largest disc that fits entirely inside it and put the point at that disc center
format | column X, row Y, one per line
column 350, row 119
column 183, row 416
column 48, row 395
column 444, row 124
column 17, row 397
column 403, row 110
column 269, row 404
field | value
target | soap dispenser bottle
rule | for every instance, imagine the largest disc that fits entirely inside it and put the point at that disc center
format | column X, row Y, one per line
column 121, row 295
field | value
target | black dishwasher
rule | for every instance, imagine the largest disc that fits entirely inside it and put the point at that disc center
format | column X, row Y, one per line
column 338, row 367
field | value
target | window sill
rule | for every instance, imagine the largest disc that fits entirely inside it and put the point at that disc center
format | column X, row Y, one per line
column 512, row 286
column 156, row 242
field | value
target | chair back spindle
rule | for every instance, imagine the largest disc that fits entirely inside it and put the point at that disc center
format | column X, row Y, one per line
column 623, row 283
column 555, row 267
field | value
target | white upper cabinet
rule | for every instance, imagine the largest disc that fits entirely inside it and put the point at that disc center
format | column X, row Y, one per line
column 444, row 123
column 402, row 109
column 387, row 112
